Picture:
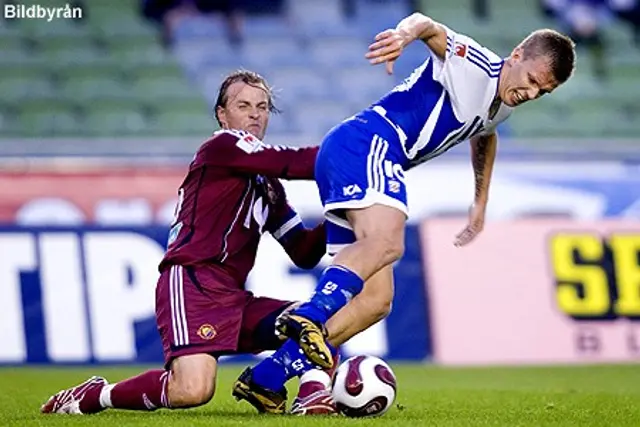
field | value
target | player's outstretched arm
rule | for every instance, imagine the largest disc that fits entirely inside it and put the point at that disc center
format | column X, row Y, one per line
column 388, row 44
column 483, row 156
column 246, row 154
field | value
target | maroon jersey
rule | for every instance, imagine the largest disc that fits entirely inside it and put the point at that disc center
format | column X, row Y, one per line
column 230, row 196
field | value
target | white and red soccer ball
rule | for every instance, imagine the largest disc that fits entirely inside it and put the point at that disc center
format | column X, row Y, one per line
column 364, row 386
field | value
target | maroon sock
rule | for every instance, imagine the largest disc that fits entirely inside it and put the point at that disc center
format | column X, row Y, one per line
column 146, row 392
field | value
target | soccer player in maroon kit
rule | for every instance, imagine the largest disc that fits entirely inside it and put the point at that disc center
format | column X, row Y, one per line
column 230, row 196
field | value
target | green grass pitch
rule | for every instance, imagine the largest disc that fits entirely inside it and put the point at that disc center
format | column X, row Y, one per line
column 427, row 396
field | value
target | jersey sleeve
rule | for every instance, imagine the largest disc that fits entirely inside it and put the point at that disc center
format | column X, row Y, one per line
column 283, row 220
column 467, row 70
column 465, row 56
column 244, row 153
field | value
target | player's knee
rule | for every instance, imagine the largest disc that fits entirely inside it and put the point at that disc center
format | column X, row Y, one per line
column 383, row 306
column 190, row 391
column 192, row 381
column 392, row 246
column 376, row 302
column 387, row 244
column 380, row 305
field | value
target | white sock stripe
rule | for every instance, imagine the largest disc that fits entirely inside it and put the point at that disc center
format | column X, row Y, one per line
column 183, row 313
column 172, row 297
column 164, row 380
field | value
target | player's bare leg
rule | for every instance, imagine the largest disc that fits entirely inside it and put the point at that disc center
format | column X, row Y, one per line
column 379, row 231
column 190, row 382
column 367, row 308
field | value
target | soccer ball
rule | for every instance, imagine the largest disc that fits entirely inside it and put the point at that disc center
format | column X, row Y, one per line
column 364, row 386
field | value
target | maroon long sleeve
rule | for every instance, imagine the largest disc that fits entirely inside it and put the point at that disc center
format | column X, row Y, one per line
column 307, row 246
column 244, row 153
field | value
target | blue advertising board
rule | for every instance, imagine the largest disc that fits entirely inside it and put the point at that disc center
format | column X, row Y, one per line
column 83, row 295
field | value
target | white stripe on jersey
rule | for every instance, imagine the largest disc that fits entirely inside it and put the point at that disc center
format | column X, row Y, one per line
column 427, row 130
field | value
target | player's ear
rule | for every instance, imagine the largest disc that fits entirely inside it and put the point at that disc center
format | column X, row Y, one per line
column 516, row 53
column 222, row 116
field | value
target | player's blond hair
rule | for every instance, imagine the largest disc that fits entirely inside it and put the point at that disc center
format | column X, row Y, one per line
column 558, row 48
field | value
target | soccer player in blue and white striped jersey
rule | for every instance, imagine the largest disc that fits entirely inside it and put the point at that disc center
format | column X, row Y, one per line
column 461, row 92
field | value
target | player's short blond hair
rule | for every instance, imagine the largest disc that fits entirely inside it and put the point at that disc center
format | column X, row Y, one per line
column 557, row 47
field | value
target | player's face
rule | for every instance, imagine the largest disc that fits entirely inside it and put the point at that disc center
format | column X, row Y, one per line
column 247, row 109
column 525, row 79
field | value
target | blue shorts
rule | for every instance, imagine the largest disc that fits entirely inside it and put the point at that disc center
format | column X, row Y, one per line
column 359, row 165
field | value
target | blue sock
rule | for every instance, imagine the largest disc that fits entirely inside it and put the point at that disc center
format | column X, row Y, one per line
column 287, row 362
column 335, row 289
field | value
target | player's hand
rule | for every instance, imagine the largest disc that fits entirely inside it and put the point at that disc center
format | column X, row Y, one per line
column 387, row 47
column 475, row 226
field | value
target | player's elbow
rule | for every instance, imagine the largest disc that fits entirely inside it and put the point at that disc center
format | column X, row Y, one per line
column 376, row 305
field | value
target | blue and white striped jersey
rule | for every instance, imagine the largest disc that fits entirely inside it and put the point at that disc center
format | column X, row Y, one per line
column 444, row 102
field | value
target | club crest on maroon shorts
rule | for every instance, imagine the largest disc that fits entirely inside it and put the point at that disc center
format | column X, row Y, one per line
column 207, row 332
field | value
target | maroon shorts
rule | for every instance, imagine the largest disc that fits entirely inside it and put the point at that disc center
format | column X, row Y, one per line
column 199, row 310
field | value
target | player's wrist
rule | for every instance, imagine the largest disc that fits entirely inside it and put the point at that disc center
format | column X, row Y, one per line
column 423, row 28
column 407, row 35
